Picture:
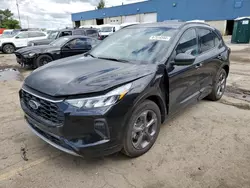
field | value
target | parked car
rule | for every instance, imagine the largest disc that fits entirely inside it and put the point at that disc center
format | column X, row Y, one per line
column 36, row 56
column 10, row 43
column 116, row 96
column 106, row 30
column 65, row 32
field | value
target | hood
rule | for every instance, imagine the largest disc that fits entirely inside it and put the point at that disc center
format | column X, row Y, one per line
column 82, row 75
column 37, row 49
column 42, row 41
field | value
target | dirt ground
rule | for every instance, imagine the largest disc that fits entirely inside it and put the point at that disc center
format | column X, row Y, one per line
column 207, row 145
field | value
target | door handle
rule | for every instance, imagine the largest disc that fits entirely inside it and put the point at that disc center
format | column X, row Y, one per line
column 198, row 65
column 219, row 57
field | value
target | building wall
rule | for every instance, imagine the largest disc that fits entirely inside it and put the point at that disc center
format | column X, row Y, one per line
column 177, row 9
column 220, row 25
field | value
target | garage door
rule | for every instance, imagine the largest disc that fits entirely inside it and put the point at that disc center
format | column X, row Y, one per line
column 150, row 17
column 131, row 18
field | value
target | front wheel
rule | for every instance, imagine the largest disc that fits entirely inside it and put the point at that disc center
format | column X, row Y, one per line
column 219, row 86
column 42, row 60
column 8, row 49
column 142, row 130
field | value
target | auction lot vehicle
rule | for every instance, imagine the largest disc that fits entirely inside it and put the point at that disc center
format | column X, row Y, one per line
column 36, row 56
column 106, row 30
column 64, row 32
column 10, row 43
column 115, row 97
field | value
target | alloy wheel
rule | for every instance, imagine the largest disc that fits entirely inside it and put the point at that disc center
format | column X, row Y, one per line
column 144, row 129
column 221, row 84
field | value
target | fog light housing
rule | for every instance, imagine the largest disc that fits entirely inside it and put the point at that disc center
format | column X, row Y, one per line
column 101, row 128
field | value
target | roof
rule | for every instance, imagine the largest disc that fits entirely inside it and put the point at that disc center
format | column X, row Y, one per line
column 170, row 24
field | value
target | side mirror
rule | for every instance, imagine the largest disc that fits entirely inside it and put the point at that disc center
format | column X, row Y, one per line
column 17, row 37
column 183, row 59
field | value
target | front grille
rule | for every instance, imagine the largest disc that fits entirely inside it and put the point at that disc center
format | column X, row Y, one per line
column 47, row 110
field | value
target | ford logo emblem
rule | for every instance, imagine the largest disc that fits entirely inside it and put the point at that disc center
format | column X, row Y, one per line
column 33, row 104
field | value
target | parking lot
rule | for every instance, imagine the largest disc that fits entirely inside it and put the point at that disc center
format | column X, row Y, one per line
column 206, row 145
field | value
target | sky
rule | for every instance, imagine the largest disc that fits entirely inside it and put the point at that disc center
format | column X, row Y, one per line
column 53, row 14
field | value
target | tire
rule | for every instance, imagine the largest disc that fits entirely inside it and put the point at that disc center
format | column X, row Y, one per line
column 219, row 86
column 8, row 48
column 42, row 60
column 136, row 130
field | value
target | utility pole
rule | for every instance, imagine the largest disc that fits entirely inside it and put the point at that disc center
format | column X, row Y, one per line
column 28, row 22
column 18, row 13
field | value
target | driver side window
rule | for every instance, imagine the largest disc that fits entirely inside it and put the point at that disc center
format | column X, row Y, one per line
column 22, row 36
column 188, row 43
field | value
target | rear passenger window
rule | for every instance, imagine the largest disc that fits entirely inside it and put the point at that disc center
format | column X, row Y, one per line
column 77, row 32
column 208, row 39
column 65, row 33
column 188, row 43
column 35, row 34
column 91, row 32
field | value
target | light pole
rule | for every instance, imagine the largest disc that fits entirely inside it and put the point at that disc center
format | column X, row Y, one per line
column 18, row 13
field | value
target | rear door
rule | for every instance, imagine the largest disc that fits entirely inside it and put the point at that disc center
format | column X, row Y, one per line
column 184, row 81
column 211, row 55
column 75, row 47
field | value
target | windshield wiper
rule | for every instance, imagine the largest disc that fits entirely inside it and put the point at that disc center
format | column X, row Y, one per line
column 89, row 55
column 113, row 59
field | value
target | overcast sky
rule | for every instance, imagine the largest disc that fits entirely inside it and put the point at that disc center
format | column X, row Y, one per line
column 53, row 13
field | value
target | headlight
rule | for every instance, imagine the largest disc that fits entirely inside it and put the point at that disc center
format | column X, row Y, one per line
column 105, row 100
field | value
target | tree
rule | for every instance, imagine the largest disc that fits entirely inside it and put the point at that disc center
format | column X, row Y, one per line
column 8, row 22
column 101, row 4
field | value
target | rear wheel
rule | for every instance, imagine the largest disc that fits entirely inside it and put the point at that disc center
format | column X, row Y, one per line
column 219, row 86
column 8, row 48
column 142, row 130
column 42, row 60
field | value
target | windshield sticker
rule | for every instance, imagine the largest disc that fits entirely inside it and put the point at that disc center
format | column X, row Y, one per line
column 165, row 38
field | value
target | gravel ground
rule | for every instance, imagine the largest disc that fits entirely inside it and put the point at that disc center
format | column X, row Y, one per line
column 206, row 145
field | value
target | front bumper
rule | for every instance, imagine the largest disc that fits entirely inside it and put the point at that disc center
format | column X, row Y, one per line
column 90, row 133
column 24, row 60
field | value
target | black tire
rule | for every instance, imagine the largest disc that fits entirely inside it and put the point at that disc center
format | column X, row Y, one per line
column 131, row 146
column 42, row 60
column 8, row 48
column 219, row 86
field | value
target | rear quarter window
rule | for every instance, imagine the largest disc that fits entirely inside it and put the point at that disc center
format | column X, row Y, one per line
column 208, row 39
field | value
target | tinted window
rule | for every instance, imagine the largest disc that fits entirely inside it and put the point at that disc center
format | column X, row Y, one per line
column 65, row 33
column 90, row 32
column 188, row 43
column 36, row 34
column 22, row 35
column 78, row 32
column 79, row 44
column 208, row 39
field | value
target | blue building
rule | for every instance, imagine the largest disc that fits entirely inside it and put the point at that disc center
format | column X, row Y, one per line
column 219, row 13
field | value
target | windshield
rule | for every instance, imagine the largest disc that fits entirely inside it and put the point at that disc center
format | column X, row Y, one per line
column 146, row 45
column 106, row 29
column 60, row 41
column 53, row 34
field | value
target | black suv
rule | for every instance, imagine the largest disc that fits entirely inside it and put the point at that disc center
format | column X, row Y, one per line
column 116, row 96
column 53, row 35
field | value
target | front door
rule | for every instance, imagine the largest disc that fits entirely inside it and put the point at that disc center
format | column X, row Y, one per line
column 75, row 47
column 184, row 80
column 21, row 40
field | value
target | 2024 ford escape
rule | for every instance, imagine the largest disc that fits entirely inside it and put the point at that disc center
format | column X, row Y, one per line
column 115, row 97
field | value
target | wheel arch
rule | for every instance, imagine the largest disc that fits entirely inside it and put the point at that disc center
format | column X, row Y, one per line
column 3, row 44
column 160, row 103
column 226, row 68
